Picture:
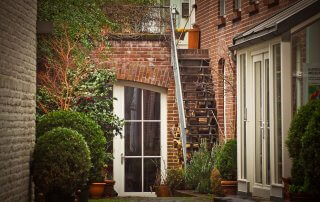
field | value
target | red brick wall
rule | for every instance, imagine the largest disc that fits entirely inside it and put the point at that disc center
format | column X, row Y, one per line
column 218, row 38
column 148, row 62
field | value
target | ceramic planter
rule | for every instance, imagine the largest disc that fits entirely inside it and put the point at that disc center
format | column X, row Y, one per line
column 162, row 191
column 194, row 38
column 108, row 189
column 229, row 187
column 96, row 190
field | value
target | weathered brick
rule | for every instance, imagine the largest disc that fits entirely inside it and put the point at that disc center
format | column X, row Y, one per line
column 17, row 97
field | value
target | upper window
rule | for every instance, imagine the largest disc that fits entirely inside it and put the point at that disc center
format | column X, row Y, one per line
column 185, row 10
column 222, row 8
column 237, row 4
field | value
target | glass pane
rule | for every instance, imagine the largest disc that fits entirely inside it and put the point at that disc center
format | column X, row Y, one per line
column 132, row 100
column 278, row 118
column 132, row 139
column 151, row 105
column 151, row 166
column 133, row 178
column 267, row 136
column 151, row 139
column 244, row 112
column 259, row 128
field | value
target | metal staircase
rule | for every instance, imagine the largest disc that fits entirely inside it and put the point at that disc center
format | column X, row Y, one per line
column 194, row 95
column 198, row 97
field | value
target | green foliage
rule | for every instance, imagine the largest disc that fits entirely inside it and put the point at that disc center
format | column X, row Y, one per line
column 84, row 19
column 226, row 161
column 90, row 130
column 175, row 179
column 61, row 161
column 215, row 179
column 302, row 145
column 310, row 153
column 94, row 98
column 199, row 170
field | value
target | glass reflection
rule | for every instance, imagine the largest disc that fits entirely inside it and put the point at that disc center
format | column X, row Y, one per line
column 132, row 101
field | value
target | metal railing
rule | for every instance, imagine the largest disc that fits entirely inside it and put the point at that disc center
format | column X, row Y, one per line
column 179, row 96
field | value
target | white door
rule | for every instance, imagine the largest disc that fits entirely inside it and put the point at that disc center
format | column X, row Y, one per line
column 141, row 150
column 262, row 88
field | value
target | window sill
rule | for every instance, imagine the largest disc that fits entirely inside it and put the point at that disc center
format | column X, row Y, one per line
column 253, row 8
column 236, row 16
column 221, row 21
column 271, row 3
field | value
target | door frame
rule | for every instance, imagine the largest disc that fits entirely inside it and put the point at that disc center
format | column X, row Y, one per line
column 262, row 189
column 246, row 185
column 118, row 141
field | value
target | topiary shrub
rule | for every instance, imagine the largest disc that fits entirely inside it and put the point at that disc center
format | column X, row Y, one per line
column 300, row 138
column 310, row 153
column 61, row 162
column 90, row 130
column 226, row 160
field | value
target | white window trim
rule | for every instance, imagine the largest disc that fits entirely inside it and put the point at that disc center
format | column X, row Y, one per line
column 118, row 92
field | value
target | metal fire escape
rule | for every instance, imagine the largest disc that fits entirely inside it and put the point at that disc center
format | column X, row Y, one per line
column 194, row 95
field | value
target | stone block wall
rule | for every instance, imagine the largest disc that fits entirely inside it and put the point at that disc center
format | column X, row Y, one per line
column 216, row 35
column 148, row 62
column 17, row 97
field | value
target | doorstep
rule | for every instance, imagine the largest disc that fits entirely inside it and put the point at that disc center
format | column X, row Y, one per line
column 238, row 198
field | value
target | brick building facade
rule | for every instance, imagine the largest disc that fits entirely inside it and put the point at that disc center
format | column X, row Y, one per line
column 217, row 33
column 147, row 61
column 17, row 97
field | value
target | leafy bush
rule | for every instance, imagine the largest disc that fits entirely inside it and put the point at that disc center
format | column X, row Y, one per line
column 175, row 179
column 303, row 145
column 61, row 161
column 199, row 170
column 310, row 153
column 226, row 161
column 94, row 98
column 90, row 130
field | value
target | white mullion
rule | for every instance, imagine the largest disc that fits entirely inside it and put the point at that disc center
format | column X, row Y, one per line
column 142, row 141
column 155, row 121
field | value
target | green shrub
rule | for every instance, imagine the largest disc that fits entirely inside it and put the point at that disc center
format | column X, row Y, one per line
column 61, row 161
column 175, row 179
column 310, row 153
column 296, row 136
column 90, row 130
column 226, row 161
column 199, row 170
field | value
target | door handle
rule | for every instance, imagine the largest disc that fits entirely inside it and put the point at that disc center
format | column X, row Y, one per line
column 122, row 158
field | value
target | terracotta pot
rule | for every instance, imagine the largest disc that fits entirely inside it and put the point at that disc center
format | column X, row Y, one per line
column 162, row 191
column 286, row 183
column 108, row 189
column 194, row 38
column 96, row 190
column 229, row 187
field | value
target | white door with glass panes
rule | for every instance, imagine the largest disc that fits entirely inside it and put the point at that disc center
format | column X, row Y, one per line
column 140, row 152
column 261, row 71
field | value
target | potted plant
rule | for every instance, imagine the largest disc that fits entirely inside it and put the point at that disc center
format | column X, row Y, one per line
column 197, row 173
column 161, row 186
column 303, row 145
column 61, row 164
column 91, row 132
column 226, row 163
column 180, row 33
column 175, row 179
